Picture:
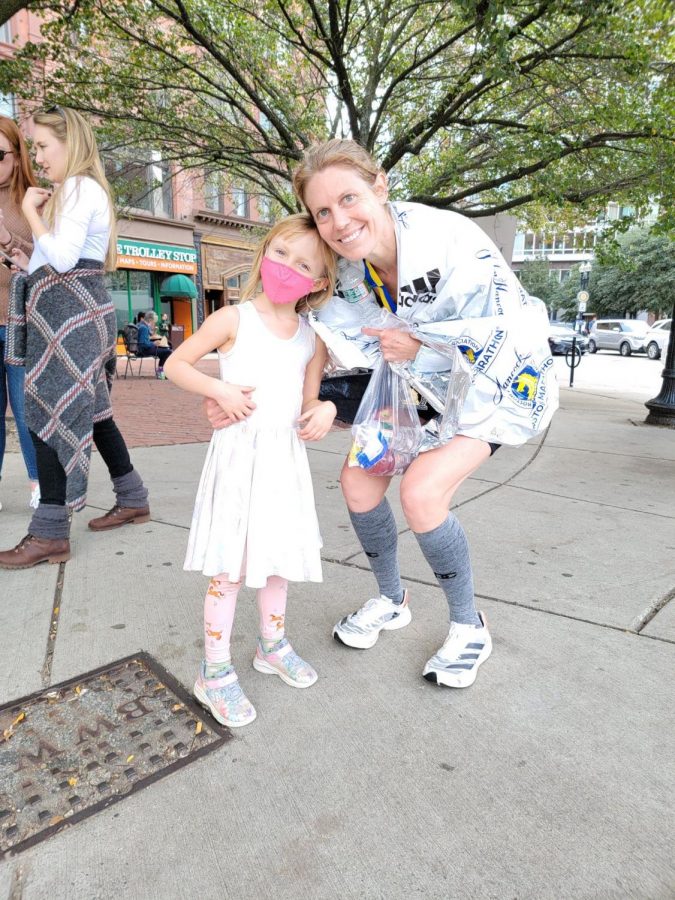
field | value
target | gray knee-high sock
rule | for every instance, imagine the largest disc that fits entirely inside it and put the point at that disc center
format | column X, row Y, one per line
column 376, row 530
column 130, row 492
column 446, row 550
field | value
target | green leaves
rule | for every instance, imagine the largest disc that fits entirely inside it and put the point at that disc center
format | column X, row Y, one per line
column 541, row 107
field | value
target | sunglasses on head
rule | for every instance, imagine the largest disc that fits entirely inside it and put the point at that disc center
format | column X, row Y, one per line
column 55, row 110
column 3, row 154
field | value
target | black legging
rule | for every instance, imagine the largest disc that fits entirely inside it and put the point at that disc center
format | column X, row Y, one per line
column 162, row 353
column 109, row 443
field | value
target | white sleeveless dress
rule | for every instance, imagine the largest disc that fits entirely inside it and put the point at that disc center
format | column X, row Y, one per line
column 254, row 515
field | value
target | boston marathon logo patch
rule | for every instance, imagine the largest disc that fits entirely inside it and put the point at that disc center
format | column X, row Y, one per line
column 470, row 348
column 524, row 386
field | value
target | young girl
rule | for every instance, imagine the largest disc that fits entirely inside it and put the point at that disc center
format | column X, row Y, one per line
column 68, row 335
column 254, row 516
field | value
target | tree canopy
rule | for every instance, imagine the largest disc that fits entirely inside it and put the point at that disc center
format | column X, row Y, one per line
column 632, row 273
column 479, row 106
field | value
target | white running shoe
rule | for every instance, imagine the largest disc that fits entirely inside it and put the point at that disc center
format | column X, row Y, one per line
column 362, row 628
column 34, row 501
column 456, row 663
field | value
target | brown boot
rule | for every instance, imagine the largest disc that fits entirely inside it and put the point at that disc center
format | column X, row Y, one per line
column 120, row 515
column 33, row 550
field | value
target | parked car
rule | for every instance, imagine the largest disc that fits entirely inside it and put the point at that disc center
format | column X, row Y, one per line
column 657, row 338
column 560, row 335
column 625, row 335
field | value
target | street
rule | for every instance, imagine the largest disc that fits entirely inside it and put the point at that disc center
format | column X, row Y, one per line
column 632, row 377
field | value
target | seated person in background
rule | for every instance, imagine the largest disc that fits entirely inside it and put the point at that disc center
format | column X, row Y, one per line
column 148, row 342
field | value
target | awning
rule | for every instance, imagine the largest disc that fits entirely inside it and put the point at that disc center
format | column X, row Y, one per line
column 178, row 286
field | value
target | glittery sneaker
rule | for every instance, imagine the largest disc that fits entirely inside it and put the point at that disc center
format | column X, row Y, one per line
column 282, row 660
column 456, row 663
column 362, row 628
column 224, row 698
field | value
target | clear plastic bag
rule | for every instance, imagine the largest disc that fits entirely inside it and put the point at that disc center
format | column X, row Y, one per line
column 444, row 390
column 386, row 432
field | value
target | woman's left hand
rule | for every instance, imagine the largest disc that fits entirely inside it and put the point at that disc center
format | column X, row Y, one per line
column 19, row 259
column 35, row 199
column 397, row 346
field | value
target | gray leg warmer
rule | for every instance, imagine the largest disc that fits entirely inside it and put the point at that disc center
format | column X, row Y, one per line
column 50, row 522
column 130, row 491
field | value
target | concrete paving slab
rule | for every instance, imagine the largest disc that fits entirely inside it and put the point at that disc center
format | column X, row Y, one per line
column 663, row 624
column 125, row 590
column 26, row 601
column 637, row 483
column 171, row 474
column 374, row 784
column 585, row 422
column 571, row 557
column 26, row 597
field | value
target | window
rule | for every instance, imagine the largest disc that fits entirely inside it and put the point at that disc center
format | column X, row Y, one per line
column 6, row 33
column 7, row 105
column 265, row 207
column 564, row 275
column 241, row 203
column 131, row 292
column 142, row 184
column 612, row 211
column 213, row 192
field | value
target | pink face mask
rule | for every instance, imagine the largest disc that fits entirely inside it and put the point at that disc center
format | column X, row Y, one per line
column 283, row 284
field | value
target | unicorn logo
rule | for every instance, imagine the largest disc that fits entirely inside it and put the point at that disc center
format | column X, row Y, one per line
column 524, row 386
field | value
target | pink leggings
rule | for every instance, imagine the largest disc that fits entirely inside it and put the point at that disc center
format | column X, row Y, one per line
column 219, row 606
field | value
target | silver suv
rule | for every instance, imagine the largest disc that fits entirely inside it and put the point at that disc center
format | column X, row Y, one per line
column 625, row 335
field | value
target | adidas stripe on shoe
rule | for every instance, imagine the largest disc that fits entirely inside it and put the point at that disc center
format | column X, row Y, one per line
column 464, row 650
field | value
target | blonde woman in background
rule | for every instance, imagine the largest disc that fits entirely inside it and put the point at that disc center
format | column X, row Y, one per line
column 69, row 340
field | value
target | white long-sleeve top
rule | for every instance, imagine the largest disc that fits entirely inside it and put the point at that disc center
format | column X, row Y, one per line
column 81, row 229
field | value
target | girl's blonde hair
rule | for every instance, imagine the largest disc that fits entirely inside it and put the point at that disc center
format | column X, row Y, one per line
column 290, row 227
column 82, row 158
column 336, row 152
column 23, row 176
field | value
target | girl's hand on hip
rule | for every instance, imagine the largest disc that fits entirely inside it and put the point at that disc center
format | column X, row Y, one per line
column 19, row 259
column 35, row 199
column 397, row 346
column 235, row 400
column 315, row 423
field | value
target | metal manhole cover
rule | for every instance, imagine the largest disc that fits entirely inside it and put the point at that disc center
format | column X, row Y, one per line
column 75, row 748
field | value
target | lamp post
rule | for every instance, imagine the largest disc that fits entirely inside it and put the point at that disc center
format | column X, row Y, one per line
column 582, row 296
column 662, row 407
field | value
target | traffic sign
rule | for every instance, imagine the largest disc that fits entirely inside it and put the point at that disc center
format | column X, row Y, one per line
column 582, row 306
column 583, row 296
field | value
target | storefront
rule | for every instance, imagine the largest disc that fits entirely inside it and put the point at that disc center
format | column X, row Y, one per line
column 227, row 250
column 158, row 276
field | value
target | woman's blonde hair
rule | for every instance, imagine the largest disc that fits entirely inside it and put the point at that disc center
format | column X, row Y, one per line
column 23, row 176
column 290, row 227
column 336, row 152
column 82, row 159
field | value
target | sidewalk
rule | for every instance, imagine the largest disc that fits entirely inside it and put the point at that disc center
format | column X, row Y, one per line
column 551, row 777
